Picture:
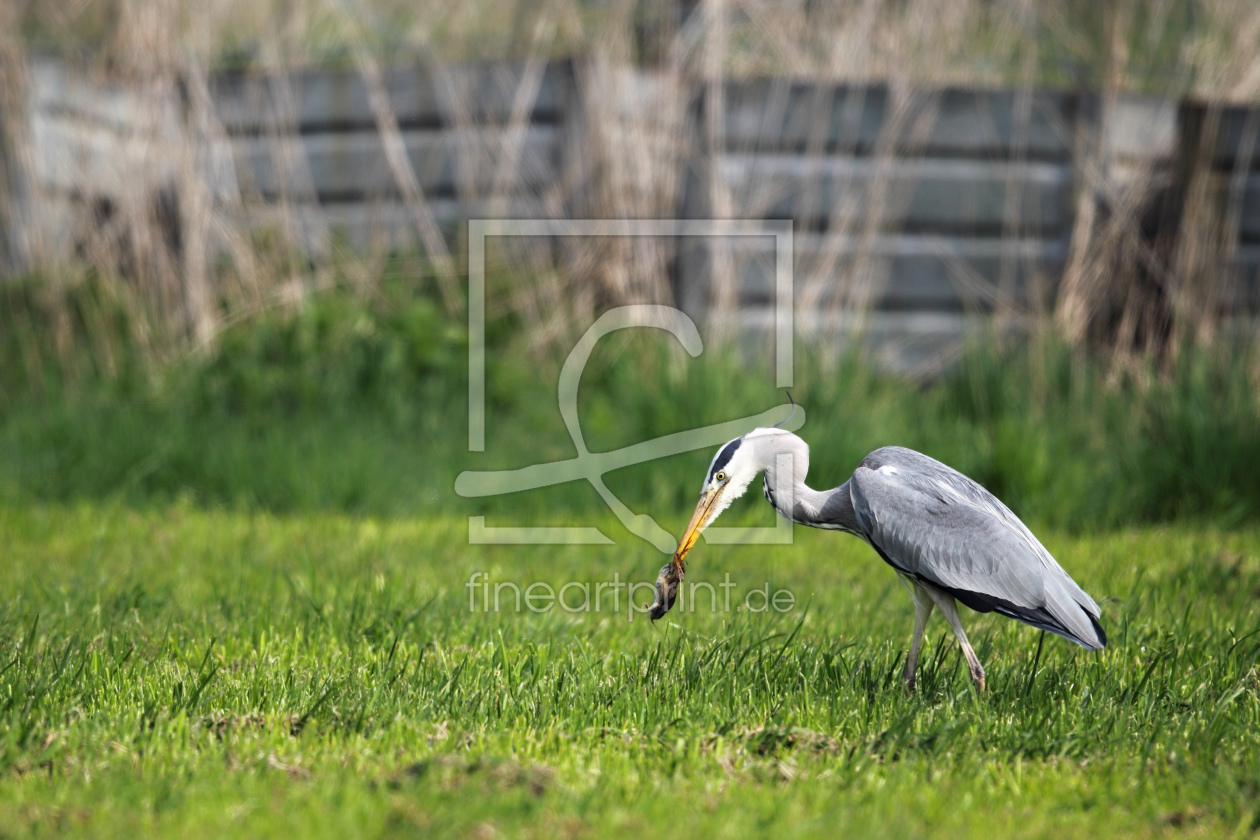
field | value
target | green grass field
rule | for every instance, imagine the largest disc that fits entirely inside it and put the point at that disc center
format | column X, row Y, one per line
column 235, row 599
column 177, row 670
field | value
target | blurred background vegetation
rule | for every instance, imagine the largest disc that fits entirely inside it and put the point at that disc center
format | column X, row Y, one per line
column 358, row 402
column 342, row 385
column 1152, row 46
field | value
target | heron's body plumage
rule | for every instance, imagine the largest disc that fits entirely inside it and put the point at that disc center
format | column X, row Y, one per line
column 936, row 526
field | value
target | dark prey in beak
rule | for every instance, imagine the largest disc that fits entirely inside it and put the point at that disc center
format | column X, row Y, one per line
column 667, row 582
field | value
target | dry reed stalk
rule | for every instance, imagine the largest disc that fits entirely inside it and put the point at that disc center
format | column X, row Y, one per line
column 722, row 282
column 302, row 225
column 1008, row 307
column 629, row 142
column 196, row 213
column 552, row 328
column 408, row 184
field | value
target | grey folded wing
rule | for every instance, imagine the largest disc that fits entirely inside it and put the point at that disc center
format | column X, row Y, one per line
column 934, row 524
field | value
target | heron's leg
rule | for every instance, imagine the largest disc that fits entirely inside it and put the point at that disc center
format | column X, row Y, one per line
column 922, row 611
column 950, row 611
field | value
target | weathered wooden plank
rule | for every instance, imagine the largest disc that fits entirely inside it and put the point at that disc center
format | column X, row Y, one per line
column 1142, row 130
column 90, row 158
column 57, row 90
column 364, row 225
column 906, row 272
column 918, row 193
column 770, row 115
column 420, row 97
column 1221, row 191
column 917, row 344
column 353, row 164
column 1244, row 294
column 1238, row 138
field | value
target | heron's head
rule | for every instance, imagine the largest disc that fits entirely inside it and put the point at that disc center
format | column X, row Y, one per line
column 730, row 472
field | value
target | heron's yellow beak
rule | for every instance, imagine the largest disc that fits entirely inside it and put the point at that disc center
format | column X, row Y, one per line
column 699, row 520
column 671, row 575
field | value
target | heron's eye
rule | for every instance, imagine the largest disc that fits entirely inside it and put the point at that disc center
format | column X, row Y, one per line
column 720, row 477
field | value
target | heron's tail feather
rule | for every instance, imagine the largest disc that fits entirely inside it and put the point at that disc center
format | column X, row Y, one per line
column 1059, row 614
column 1079, row 622
column 1102, row 634
column 1094, row 640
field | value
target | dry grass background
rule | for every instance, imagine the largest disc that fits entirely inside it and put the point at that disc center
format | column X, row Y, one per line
column 636, row 64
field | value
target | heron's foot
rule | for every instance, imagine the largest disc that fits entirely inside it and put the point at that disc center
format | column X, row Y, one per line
column 908, row 677
column 977, row 677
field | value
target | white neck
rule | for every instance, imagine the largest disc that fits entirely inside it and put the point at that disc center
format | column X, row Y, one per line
column 785, row 459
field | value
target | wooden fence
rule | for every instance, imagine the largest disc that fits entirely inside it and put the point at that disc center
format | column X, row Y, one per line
column 918, row 207
column 476, row 149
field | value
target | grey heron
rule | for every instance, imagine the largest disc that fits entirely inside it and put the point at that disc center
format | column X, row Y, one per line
column 945, row 535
